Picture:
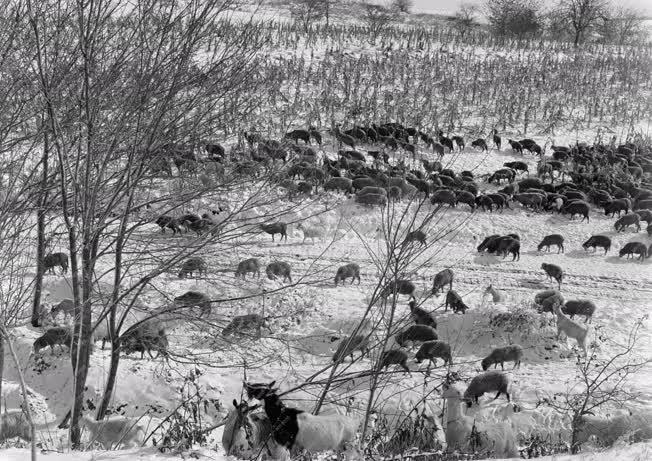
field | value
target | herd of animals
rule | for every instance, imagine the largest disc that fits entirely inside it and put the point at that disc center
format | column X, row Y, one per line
column 613, row 178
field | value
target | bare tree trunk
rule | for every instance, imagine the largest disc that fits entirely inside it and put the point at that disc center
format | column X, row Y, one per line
column 2, row 362
column 40, row 235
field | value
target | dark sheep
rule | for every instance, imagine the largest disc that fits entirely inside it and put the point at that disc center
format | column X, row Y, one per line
column 246, row 266
column 530, row 183
column 547, row 299
column 496, row 139
column 431, row 166
column 535, row 149
column 467, row 174
column 504, row 173
column 446, row 181
column 486, row 242
column 465, row 197
column 480, row 143
column 634, row 248
column 55, row 260
column 630, row 219
column 361, row 183
column 169, row 222
column 215, row 150
column 416, row 333
column 441, row 279
column 277, row 269
column 276, row 228
column 616, row 206
column 295, row 135
column 527, row 143
column 516, row 146
column 187, row 219
column 575, row 195
column 454, row 300
column 351, row 270
column 500, row 199
column 339, row 184
column 444, row 196
column 644, row 215
column 415, row 236
column 242, row 323
column 316, row 135
column 553, row 272
column 517, row 166
column 433, row 350
column 459, row 141
column 349, row 345
column 194, row 264
column 583, row 307
column 400, row 287
column 52, row 336
column 500, row 355
column 372, row 199
column 446, row 142
column 200, row 226
column 553, row 239
column 601, row 241
column 533, row 200
column 194, row 299
column 486, row 382
column 352, row 155
column 393, row 357
column 394, row 193
column 145, row 337
column 422, row 316
column 484, row 202
column 511, row 246
column 578, row 207
column 448, row 172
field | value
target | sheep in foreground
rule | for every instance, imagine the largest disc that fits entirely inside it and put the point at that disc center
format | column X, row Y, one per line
column 349, row 345
column 432, row 350
column 194, row 264
column 583, row 307
column 553, row 239
column 246, row 266
column 277, row 269
column 441, row 279
column 633, row 248
column 454, row 300
column 463, row 432
column 595, row 241
column 393, row 357
column 351, row 270
column 61, row 336
column 486, row 382
column 511, row 353
column 416, row 333
column 115, row 431
column 553, row 272
column 571, row 328
column 421, row 316
column 636, row 427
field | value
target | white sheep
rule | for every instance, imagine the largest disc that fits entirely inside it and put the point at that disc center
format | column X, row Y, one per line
column 115, row 431
column 607, row 431
column 311, row 232
column 571, row 328
column 465, row 434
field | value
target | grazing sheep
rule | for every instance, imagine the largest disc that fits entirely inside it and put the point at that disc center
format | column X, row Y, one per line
column 444, row 196
column 496, row 296
column 578, row 207
column 517, row 166
column 636, row 427
column 432, row 350
column 547, row 299
column 293, row 427
column 616, row 206
column 533, row 200
column 65, row 305
column 441, row 279
column 601, row 241
column 455, row 301
column 421, row 316
column 579, row 307
column 416, row 333
column 504, row 173
column 633, row 248
column 145, row 337
column 553, row 239
column 393, row 357
column 571, row 328
column 553, row 272
column 117, row 430
column 349, row 345
column 52, row 336
column 278, row 268
column 400, row 287
column 339, row 184
column 246, row 322
column 481, row 143
column 630, row 219
column 311, row 232
column 484, row 202
column 194, row 299
column 516, row 146
column 276, row 228
column 194, row 264
column 465, row 197
column 247, row 435
column 465, row 434
column 415, row 236
column 509, row 245
column 13, row 423
column 168, row 222
column 351, row 270
column 55, row 259
column 645, row 215
column 488, row 381
column 486, row 242
column 372, row 199
column 248, row 265
column 511, row 353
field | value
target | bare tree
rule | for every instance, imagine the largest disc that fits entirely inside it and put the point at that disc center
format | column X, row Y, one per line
column 582, row 16
column 623, row 26
column 377, row 18
column 310, row 11
column 464, row 19
column 513, row 18
column 402, row 6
